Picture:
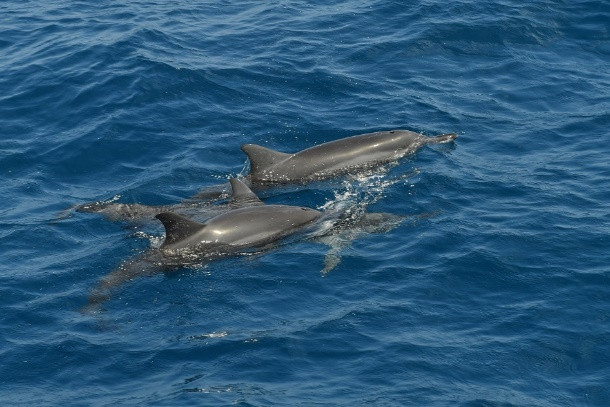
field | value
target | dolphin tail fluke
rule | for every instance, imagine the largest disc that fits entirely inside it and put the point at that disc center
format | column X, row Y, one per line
column 262, row 157
column 442, row 138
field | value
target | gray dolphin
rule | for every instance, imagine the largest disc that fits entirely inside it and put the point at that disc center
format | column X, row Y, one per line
column 336, row 157
column 238, row 229
column 189, row 242
column 267, row 166
column 114, row 211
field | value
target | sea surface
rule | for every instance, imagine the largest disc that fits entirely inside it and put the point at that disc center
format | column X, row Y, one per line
column 491, row 289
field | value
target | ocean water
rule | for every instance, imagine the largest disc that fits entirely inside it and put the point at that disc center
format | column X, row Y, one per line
column 494, row 290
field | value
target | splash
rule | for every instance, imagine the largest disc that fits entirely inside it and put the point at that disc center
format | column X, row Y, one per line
column 347, row 219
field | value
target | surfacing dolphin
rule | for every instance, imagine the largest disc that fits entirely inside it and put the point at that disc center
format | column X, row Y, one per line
column 188, row 242
column 236, row 230
column 114, row 211
column 335, row 158
column 327, row 160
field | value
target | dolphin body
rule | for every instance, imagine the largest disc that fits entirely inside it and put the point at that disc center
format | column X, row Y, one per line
column 114, row 211
column 335, row 158
column 188, row 242
column 327, row 160
column 235, row 230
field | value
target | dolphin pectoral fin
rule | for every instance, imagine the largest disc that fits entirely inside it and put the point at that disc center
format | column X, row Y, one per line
column 342, row 237
column 261, row 157
column 441, row 138
column 242, row 195
column 331, row 261
column 337, row 243
column 177, row 227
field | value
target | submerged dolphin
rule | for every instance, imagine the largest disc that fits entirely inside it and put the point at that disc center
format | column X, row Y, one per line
column 189, row 242
column 336, row 157
column 114, row 211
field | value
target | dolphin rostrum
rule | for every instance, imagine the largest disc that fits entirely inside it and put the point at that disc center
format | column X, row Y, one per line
column 336, row 157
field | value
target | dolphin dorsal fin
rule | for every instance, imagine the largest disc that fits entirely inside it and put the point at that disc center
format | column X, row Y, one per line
column 177, row 227
column 261, row 157
column 243, row 194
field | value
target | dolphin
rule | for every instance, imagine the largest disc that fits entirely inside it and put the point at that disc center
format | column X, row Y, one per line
column 188, row 242
column 236, row 230
column 335, row 158
column 114, row 211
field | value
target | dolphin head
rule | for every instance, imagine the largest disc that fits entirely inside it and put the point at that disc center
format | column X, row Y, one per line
column 402, row 138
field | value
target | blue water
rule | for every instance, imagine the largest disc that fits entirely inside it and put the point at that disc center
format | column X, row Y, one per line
column 494, row 290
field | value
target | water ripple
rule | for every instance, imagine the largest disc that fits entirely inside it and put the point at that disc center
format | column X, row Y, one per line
column 491, row 290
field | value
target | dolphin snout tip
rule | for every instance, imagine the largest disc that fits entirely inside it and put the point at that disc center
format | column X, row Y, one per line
column 442, row 138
